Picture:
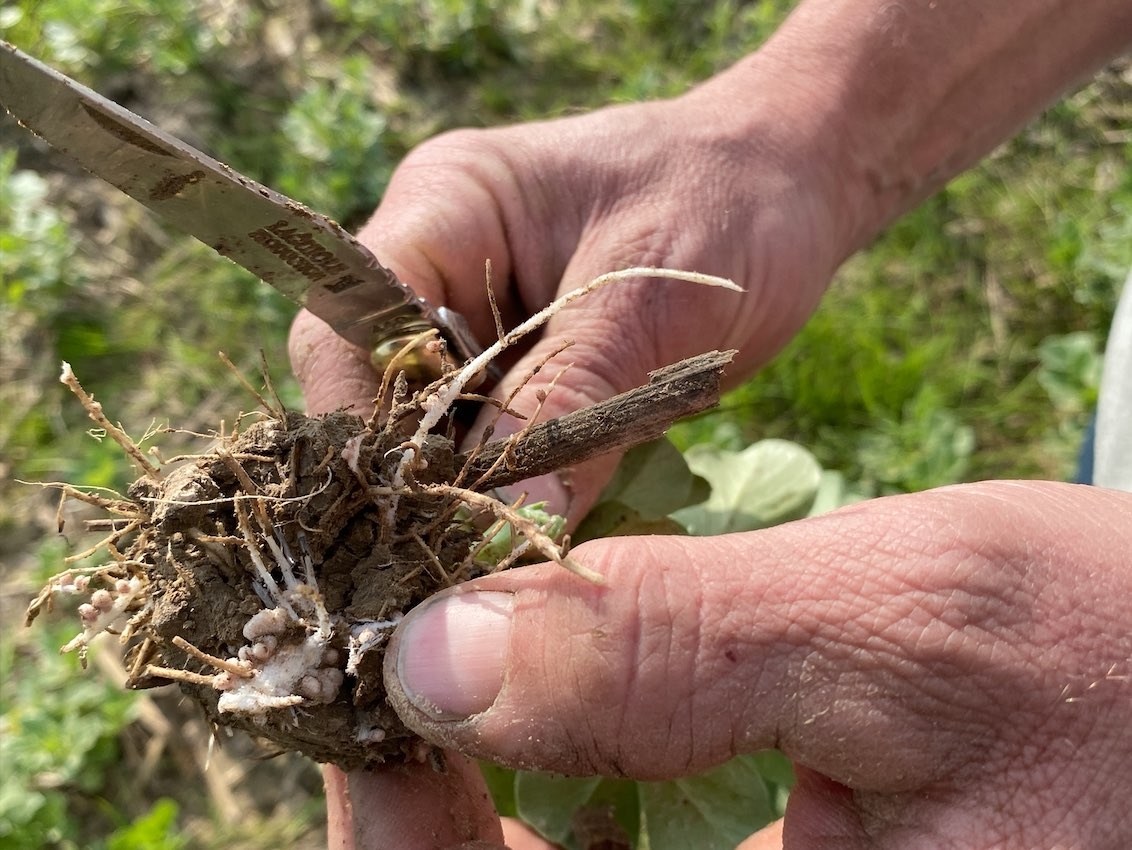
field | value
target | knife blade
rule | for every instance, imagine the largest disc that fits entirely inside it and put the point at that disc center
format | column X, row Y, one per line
column 305, row 255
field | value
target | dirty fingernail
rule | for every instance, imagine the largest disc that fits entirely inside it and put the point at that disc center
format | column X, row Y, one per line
column 452, row 653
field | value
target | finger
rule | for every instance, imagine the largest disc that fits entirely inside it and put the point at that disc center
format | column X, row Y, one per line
column 820, row 813
column 452, row 205
column 767, row 838
column 333, row 374
column 519, row 836
column 631, row 212
column 441, row 218
column 414, row 807
column 879, row 645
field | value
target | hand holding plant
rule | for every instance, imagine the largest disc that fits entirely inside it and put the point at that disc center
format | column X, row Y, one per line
column 925, row 657
column 553, row 206
column 930, row 661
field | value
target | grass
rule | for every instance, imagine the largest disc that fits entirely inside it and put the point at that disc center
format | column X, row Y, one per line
column 963, row 344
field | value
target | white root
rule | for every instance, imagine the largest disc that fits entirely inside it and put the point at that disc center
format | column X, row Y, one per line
column 368, row 635
column 262, row 572
column 283, row 672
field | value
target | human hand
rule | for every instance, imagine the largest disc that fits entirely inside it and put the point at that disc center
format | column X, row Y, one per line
column 555, row 204
column 930, row 661
column 949, row 669
column 765, row 202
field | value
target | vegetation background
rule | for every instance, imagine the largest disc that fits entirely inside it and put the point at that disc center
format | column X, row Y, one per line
column 964, row 344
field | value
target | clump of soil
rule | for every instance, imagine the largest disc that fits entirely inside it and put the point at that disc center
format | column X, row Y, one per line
column 292, row 515
column 338, row 552
column 266, row 575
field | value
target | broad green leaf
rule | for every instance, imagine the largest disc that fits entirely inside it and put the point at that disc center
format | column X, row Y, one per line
column 713, row 811
column 613, row 519
column 767, row 483
column 775, row 768
column 833, row 492
column 778, row 771
column 654, row 480
column 500, row 783
column 651, row 482
column 549, row 803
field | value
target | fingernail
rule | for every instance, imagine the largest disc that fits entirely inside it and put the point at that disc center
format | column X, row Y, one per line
column 452, row 653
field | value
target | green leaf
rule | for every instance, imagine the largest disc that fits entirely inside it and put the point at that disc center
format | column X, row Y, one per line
column 928, row 446
column 713, row 811
column 502, row 542
column 1070, row 369
column 549, row 804
column 500, row 783
column 767, row 483
column 613, row 519
column 833, row 492
column 155, row 830
column 775, row 768
column 652, row 481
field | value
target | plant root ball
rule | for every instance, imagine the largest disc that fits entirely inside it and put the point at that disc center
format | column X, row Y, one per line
column 266, row 576
column 277, row 566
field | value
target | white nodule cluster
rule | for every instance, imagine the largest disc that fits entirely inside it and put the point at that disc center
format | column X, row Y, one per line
column 370, row 734
column 268, row 622
column 107, row 610
column 288, row 665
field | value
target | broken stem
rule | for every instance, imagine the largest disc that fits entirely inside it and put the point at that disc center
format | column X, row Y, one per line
column 437, row 404
column 634, row 417
column 94, row 410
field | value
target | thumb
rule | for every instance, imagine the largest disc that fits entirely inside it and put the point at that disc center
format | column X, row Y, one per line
column 536, row 669
column 815, row 637
column 767, row 838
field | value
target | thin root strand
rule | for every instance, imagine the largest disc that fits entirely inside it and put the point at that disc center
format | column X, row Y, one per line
column 94, row 410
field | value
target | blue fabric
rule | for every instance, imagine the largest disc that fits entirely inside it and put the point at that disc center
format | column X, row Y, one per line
column 1088, row 452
